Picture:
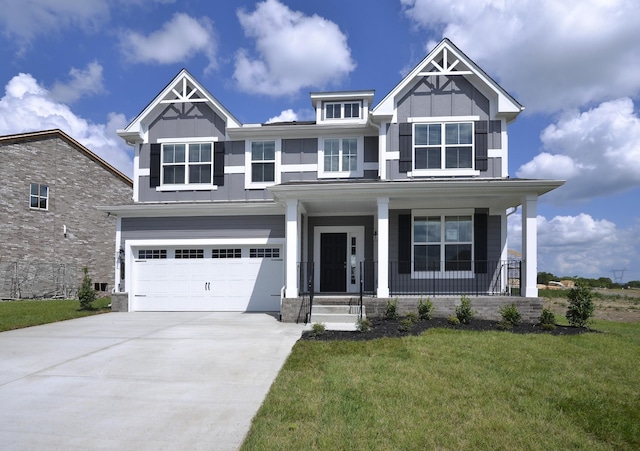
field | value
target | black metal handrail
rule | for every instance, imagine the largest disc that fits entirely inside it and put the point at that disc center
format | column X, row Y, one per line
column 495, row 278
column 306, row 284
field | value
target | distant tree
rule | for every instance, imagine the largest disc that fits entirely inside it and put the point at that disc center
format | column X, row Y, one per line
column 545, row 277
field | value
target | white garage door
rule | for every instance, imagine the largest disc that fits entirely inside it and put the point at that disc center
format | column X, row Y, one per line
column 245, row 278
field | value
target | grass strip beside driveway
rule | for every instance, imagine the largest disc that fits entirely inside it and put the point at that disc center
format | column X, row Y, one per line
column 458, row 390
column 26, row 313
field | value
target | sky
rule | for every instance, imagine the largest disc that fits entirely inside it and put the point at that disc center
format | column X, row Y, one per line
column 89, row 67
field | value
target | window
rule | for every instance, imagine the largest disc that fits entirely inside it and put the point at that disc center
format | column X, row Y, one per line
column 226, row 253
column 340, row 158
column 264, row 253
column 455, row 151
column 39, row 197
column 348, row 110
column 263, row 161
column 152, row 254
column 189, row 253
column 187, row 164
column 442, row 243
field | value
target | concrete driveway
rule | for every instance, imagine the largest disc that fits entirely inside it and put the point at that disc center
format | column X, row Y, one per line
column 139, row 381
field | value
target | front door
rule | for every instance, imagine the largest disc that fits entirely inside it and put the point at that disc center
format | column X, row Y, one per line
column 333, row 262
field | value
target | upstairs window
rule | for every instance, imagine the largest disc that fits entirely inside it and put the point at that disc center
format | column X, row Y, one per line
column 342, row 110
column 185, row 164
column 341, row 157
column 263, row 161
column 39, row 197
column 443, row 146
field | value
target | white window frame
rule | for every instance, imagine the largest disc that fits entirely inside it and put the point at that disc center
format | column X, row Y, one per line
column 442, row 214
column 248, row 160
column 186, row 186
column 443, row 121
column 359, row 172
column 39, row 196
column 342, row 108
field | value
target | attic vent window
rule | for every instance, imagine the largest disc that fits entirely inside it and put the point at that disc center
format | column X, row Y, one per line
column 342, row 110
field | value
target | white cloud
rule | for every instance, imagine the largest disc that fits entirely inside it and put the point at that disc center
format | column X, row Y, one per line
column 597, row 151
column 285, row 116
column 25, row 20
column 83, row 82
column 551, row 54
column 179, row 39
column 580, row 245
column 294, row 51
column 27, row 106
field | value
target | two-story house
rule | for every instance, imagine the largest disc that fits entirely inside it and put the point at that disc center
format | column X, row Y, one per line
column 405, row 198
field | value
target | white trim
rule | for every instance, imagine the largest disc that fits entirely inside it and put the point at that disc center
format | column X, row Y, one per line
column 310, row 167
column 190, row 140
column 443, row 173
column 351, row 231
column 382, row 225
column 116, row 276
column 143, row 172
column 248, row 184
column 393, row 154
column 359, row 172
column 191, row 187
column 383, row 155
column 494, row 153
column 136, row 171
column 430, row 119
column 292, row 253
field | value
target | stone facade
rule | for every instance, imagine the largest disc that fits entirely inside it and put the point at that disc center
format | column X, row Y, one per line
column 486, row 307
column 71, row 231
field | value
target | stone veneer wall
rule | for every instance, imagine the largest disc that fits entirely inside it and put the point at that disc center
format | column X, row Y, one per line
column 487, row 307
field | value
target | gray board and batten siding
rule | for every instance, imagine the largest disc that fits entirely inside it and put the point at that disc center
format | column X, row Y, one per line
column 437, row 96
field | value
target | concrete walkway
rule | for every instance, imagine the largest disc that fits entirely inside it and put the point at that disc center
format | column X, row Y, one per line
column 139, row 381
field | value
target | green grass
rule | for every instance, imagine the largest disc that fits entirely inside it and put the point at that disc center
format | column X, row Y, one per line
column 25, row 313
column 458, row 390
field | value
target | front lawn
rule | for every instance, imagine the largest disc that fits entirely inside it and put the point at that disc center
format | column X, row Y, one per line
column 25, row 313
column 454, row 389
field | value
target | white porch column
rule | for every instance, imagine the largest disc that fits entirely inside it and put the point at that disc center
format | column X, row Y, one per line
column 116, row 276
column 529, row 246
column 383, row 247
column 292, row 244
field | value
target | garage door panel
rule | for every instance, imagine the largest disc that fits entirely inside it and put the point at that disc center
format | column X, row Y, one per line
column 208, row 284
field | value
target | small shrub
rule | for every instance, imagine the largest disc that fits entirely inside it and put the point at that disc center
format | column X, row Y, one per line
column 510, row 314
column 581, row 306
column 453, row 320
column 86, row 293
column 425, row 309
column 412, row 317
column 547, row 318
column 405, row 325
column 548, row 326
column 364, row 325
column 318, row 329
column 464, row 312
column 504, row 325
column 391, row 312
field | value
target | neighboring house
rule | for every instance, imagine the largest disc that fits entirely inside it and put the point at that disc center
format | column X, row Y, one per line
column 408, row 197
column 50, row 227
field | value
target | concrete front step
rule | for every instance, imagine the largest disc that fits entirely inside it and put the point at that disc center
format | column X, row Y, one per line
column 336, row 314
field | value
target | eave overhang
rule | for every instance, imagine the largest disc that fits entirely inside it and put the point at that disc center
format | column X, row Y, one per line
column 188, row 209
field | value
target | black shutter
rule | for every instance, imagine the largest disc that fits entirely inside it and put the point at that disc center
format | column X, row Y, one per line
column 404, row 244
column 482, row 145
column 218, row 163
column 406, row 146
column 480, row 235
column 154, row 165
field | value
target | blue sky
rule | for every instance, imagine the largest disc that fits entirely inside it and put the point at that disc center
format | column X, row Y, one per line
column 90, row 66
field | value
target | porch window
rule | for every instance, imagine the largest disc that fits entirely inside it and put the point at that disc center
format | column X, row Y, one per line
column 442, row 243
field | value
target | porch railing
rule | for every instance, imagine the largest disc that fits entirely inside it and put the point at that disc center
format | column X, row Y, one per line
column 368, row 278
column 306, row 291
column 494, row 278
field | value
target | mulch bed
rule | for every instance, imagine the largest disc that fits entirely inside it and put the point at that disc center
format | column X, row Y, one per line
column 393, row 328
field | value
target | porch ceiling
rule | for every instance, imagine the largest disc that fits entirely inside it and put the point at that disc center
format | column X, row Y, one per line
column 361, row 196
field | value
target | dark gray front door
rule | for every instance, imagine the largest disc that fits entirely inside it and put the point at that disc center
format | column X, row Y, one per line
column 333, row 262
